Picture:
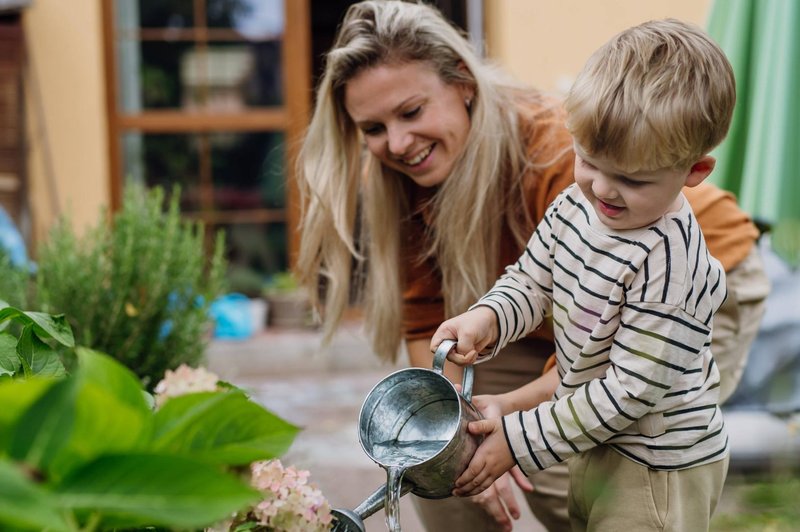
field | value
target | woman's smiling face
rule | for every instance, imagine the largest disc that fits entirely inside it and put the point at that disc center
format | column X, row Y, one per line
column 411, row 120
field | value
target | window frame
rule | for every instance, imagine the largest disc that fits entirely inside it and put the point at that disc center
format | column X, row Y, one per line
column 290, row 118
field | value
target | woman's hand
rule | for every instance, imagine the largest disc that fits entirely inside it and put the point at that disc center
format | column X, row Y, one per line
column 499, row 500
column 490, row 406
column 473, row 331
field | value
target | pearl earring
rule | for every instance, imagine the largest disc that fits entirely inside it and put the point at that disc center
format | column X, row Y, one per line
column 468, row 102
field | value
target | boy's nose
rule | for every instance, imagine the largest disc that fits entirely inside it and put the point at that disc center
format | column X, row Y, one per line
column 603, row 188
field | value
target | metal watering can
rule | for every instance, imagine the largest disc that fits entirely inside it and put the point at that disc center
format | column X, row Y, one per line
column 413, row 423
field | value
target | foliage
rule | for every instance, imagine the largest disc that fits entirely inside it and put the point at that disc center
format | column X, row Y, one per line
column 244, row 280
column 87, row 452
column 14, row 281
column 785, row 240
column 281, row 283
column 29, row 353
column 289, row 503
column 765, row 504
column 138, row 288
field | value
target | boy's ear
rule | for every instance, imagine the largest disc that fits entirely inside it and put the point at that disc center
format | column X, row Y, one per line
column 700, row 171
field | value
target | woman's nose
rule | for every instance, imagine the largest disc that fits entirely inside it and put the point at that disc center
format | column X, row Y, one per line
column 400, row 140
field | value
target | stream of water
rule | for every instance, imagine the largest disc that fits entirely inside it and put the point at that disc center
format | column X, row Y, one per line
column 397, row 457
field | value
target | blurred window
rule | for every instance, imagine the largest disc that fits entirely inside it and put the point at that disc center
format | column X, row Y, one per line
column 204, row 94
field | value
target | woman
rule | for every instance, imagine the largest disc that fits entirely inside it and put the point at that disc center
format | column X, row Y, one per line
column 424, row 172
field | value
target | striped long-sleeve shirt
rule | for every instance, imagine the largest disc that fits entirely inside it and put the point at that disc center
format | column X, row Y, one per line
column 632, row 314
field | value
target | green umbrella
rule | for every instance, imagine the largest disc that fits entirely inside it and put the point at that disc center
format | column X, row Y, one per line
column 760, row 159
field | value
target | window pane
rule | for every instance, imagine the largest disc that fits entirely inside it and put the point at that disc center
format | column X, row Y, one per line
column 166, row 13
column 158, row 13
column 247, row 170
column 240, row 74
column 150, row 74
column 164, row 160
column 256, row 248
column 253, row 19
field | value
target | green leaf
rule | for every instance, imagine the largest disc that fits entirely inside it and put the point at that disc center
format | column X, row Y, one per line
column 38, row 358
column 9, row 360
column 55, row 327
column 25, row 506
column 16, row 397
column 151, row 489
column 105, row 372
column 221, row 427
column 99, row 409
column 45, row 325
column 10, row 313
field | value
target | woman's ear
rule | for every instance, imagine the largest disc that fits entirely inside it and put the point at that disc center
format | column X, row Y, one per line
column 700, row 171
column 467, row 89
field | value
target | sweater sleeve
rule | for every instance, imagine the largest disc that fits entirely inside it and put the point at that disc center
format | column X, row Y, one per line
column 666, row 342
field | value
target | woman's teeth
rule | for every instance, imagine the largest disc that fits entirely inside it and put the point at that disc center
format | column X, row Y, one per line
column 419, row 158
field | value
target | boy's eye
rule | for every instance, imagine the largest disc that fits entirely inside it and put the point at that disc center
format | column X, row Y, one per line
column 630, row 182
column 587, row 164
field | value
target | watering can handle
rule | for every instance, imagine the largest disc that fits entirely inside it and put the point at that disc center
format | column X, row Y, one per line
column 438, row 366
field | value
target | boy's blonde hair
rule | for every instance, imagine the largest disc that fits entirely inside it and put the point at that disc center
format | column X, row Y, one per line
column 658, row 95
column 355, row 208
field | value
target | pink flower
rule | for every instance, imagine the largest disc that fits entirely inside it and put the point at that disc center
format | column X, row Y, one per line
column 184, row 380
column 291, row 503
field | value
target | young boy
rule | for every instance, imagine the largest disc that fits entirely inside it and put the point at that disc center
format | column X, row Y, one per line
column 621, row 266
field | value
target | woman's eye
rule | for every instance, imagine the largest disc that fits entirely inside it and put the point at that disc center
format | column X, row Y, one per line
column 372, row 130
column 412, row 113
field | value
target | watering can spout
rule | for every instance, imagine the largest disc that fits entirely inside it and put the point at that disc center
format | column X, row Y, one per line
column 345, row 520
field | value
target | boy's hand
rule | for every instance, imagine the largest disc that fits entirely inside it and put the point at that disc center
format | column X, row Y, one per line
column 472, row 330
column 491, row 460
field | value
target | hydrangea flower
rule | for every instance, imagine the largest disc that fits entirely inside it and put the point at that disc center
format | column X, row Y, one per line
column 185, row 380
column 291, row 503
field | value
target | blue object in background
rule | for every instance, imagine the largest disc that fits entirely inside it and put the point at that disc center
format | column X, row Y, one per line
column 11, row 240
column 232, row 317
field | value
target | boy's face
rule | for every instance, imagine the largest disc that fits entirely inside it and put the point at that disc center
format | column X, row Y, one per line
column 627, row 200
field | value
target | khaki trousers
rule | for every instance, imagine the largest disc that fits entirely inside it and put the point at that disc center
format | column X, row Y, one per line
column 737, row 321
column 609, row 492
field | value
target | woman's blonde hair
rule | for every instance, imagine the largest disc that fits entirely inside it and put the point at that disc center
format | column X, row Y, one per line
column 657, row 95
column 354, row 207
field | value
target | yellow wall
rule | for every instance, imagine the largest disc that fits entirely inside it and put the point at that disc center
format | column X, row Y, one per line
column 546, row 42
column 68, row 158
column 540, row 42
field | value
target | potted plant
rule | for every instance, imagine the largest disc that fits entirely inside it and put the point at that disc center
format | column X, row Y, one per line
column 289, row 304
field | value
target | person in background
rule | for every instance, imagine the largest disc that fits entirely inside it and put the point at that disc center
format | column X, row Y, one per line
column 423, row 172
